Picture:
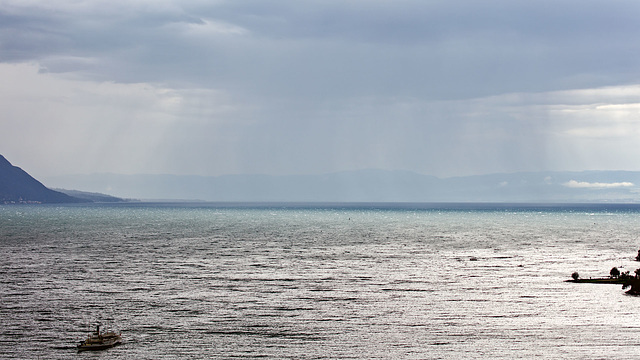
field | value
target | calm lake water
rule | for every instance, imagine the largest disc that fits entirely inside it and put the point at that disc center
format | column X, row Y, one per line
column 318, row 281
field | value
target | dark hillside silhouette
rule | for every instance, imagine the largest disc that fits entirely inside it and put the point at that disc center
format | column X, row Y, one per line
column 16, row 186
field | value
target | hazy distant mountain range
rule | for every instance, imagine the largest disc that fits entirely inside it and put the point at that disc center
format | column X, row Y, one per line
column 16, row 186
column 369, row 186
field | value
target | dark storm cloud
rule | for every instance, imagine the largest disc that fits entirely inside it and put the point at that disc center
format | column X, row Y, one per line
column 328, row 48
column 440, row 49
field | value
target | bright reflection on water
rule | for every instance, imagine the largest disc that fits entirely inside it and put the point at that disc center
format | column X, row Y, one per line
column 313, row 283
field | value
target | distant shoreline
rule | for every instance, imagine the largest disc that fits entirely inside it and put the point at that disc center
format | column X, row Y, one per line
column 595, row 208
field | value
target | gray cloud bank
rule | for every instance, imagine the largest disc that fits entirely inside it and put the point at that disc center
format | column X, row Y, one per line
column 290, row 87
column 597, row 185
column 330, row 49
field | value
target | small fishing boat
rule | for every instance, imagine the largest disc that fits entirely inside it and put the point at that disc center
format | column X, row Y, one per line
column 100, row 341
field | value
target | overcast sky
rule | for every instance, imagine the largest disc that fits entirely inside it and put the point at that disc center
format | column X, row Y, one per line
column 201, row 87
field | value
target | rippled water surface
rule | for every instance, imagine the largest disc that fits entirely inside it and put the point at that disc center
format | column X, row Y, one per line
column 348, row 282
